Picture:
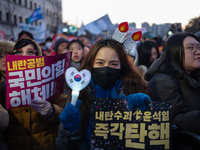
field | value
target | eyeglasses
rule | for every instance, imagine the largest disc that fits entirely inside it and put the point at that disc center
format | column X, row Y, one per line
column 29, row 52
column 194, row 49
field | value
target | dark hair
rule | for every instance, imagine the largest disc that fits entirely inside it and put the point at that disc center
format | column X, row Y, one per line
column 144, row 53
column 42, row 44
column 24, row 42
column 83, row 36
column 25, row 32
column 159, row 41
column 49, row 39
column 130, row 75
column 76, row 41
column 198, row 37
column 174, row 49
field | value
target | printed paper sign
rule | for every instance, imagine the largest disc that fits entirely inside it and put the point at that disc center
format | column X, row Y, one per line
column 2, row 35
column 30, row 77
column 114, row 126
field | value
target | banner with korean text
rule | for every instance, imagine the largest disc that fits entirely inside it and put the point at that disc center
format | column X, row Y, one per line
column 34, row 77
column 114, row 126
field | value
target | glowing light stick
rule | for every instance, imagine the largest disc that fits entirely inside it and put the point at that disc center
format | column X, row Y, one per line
column 77, row 81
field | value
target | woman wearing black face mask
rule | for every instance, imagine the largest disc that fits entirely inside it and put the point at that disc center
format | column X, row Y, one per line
column 111, row 71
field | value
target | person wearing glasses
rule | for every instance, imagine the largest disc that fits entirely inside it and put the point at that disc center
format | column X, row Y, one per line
column 34, row 127
column 26, row 47
column 175, row 78
column 5, row 48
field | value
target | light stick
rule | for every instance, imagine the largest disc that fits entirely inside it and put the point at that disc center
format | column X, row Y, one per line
column 77, row 81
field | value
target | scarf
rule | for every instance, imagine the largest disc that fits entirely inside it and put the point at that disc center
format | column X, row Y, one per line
column 75, row 64
column 102, row 93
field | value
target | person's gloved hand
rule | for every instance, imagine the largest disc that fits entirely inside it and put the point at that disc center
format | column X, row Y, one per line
column 43, row 107
column 71, row 116
column 137, row 100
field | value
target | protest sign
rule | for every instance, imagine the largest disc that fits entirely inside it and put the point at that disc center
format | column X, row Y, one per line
column 114, row 126
column 2, row 35
column 40, row 32
column 34, row 77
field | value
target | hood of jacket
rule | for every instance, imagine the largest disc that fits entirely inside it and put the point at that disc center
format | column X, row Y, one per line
column 39, row 48
column 6, row 46
column 174, row 71
column 153, row 69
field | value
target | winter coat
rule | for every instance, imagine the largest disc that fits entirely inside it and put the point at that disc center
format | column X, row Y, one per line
column 3, row 112
column 4, row 118
column 182, row 90
column 75, row 140
column 3, row 115
column 5, row 48
column 29, row 130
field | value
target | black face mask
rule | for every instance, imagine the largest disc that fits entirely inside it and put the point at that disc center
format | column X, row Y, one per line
column 105, row 77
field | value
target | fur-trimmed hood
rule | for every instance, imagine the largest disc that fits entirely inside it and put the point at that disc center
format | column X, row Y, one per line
column 6, row 46
column 32, row 42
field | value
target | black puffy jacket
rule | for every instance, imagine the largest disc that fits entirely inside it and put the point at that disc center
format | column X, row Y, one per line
column 182, row 90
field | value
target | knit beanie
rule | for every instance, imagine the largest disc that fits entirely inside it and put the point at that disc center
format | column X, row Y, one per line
column 58, row 42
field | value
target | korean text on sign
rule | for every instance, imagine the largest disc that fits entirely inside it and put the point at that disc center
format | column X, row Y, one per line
column 33, row 78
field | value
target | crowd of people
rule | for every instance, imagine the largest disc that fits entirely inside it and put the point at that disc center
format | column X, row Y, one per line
column 144, row 74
